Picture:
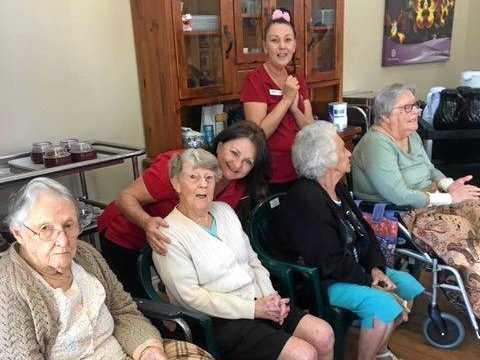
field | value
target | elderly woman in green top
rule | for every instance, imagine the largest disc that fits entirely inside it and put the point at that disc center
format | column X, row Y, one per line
column 390, row 164
column 59, row 299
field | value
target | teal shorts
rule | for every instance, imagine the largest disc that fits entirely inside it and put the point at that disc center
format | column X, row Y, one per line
column 370, row 304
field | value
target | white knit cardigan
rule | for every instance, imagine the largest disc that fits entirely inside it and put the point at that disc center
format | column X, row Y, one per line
column 220, row 276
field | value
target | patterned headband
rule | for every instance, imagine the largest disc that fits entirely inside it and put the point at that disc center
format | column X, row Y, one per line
column 279, row 14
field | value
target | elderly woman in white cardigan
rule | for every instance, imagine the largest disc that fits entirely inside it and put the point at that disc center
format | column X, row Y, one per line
column 211, row 267
column 59, row 299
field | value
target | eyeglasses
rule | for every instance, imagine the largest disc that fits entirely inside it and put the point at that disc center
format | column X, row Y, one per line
column 49, row 233
column 408, row 108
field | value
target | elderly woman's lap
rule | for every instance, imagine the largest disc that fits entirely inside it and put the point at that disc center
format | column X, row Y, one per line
column 370, row 303
column 254, row 339
column 453, row 233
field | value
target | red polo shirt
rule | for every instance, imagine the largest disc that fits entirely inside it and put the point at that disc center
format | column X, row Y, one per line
column 258, row 88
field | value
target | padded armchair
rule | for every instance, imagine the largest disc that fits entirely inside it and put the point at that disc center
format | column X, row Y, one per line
column 287, row 273
column 199, row 323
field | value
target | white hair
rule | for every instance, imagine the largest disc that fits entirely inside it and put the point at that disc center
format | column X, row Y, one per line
column 387, row 98
column 315, row 150
column 200, row 158
column 24, row 199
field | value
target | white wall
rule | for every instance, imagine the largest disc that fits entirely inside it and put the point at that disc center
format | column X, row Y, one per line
column 472, row 57
column 68, row 69
column 363, row 32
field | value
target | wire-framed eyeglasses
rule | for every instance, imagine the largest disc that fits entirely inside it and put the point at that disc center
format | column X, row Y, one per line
column 49, row 233
column 408, row 108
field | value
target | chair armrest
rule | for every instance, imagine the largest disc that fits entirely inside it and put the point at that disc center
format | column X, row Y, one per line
column 158, row 310
column 285, row 271
column 427, row 132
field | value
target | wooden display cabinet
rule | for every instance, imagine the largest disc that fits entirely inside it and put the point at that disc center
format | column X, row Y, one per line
column 180, row 67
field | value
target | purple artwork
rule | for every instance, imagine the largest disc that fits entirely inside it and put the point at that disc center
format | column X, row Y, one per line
column 417, row 31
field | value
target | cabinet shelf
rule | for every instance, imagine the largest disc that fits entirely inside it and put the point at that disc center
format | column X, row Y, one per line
column 321, row 29
column 201, row 33
column 250, row 16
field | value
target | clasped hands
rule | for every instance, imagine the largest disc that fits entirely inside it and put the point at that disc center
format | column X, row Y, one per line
column 380, row 279
column 272, row 307
column 291, row 92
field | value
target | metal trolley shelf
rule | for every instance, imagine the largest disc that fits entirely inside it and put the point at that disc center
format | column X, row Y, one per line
column 108, row 154
column 18, row 168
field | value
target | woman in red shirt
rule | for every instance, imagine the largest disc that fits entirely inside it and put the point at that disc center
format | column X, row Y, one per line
column 276, row 100
column 136, row 217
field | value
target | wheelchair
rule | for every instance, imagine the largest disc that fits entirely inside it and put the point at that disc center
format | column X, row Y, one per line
column 440, row 329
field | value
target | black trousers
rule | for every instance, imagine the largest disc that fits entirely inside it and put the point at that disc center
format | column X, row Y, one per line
column 123, row 263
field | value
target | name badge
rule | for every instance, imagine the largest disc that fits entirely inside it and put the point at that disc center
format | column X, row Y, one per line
column 275, row 92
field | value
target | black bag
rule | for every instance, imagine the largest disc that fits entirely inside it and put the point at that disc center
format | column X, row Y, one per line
column 470, row 111
column 447, row 115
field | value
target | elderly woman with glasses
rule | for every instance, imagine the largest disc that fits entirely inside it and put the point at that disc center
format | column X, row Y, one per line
column 211, row 267
column 59, row 299
column 319, row 225
column 389, row 164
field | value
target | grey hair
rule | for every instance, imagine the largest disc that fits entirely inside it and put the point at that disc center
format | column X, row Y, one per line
column 200, row 158
column 387, row 98
column 24, row 199
column 314, row 150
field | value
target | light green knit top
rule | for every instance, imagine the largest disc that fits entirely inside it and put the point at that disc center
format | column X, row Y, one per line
column 381, row 171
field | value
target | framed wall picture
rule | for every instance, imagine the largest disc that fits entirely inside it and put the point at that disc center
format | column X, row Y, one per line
column 417, row 31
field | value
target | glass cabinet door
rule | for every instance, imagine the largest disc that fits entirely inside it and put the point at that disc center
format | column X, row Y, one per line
column 204, row 43
column 250, row 21
column 324, row 38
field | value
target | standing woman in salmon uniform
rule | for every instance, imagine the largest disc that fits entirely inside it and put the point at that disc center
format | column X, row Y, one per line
column 276, row 100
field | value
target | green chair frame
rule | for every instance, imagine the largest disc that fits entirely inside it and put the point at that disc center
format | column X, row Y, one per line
column 286, row 273
column 201, row 324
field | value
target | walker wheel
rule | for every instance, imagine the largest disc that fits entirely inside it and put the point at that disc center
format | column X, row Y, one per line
column 452, row 338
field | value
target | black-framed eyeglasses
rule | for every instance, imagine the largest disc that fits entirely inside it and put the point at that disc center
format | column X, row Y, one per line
column 408, row 108
column 50, row 233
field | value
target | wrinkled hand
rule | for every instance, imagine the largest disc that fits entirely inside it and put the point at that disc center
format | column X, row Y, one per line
column 153, row 353
column 153, row 230
column 380, row 279
column 272, row 307
column 459, row 183
column 284, row 309
column 290, row 89
column 465, row 192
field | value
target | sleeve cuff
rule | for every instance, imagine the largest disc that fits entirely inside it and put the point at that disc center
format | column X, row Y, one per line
column 438, row 198
column 445, row 183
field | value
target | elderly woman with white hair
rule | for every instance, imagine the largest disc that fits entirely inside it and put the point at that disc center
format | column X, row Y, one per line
column 319, row 225
column 59, row 299
column 389, row 164
column 211, row 267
